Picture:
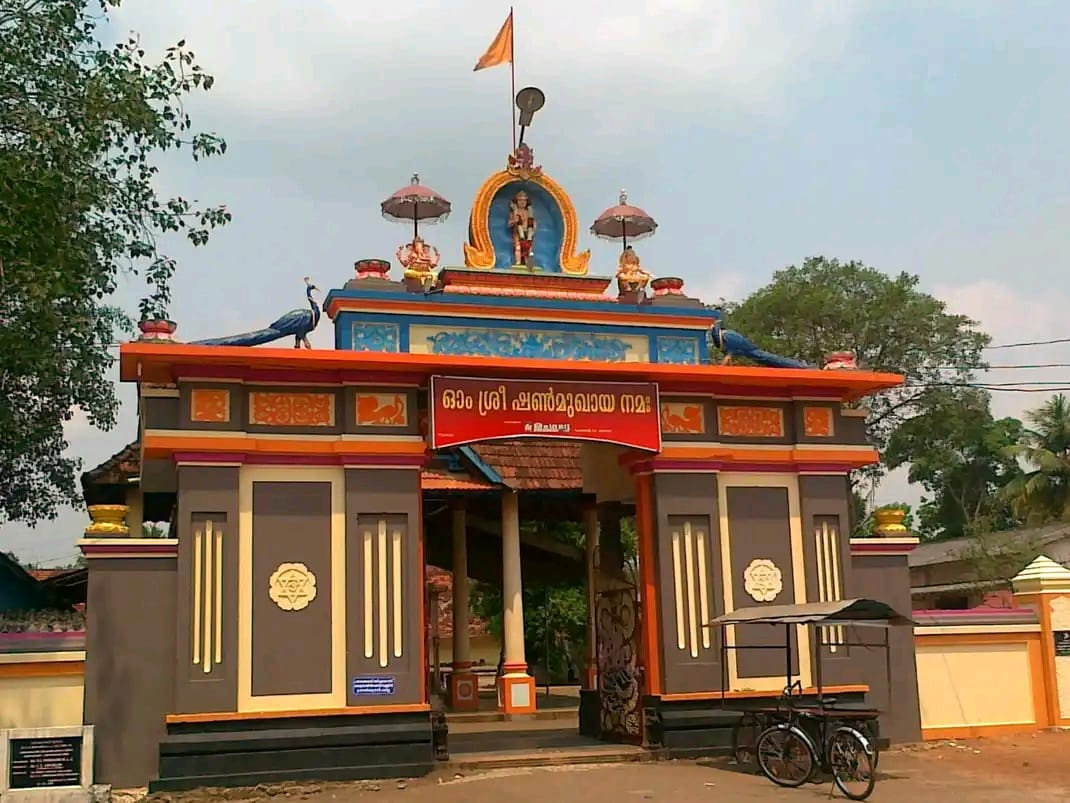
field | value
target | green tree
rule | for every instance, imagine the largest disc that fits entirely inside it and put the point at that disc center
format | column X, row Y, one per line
column 1041, row 491
column 826, row 305
column 81, row 124
column 956, row 452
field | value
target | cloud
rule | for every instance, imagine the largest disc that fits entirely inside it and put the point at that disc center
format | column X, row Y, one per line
column 1012, row 315
column 408, row 60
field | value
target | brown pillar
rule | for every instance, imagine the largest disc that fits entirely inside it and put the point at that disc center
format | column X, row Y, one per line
column 464, row 692
column 591, row 531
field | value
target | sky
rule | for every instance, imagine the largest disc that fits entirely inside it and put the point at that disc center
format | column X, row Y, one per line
column 919, row 136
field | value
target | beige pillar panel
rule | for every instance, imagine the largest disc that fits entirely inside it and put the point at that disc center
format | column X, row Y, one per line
column 512, row 584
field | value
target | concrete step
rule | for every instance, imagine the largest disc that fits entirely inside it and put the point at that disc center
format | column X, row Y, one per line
column 510, row 759
column 548, row 714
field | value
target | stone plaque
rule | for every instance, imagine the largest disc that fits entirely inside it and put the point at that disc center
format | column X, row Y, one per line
column 45, row 762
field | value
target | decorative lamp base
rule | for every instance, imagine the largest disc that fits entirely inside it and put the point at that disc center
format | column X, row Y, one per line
column 667, row 286
column 841, row 361
column 157, row 331
column 371, row 268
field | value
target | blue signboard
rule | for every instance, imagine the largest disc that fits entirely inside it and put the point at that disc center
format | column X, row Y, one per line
column 374, row 686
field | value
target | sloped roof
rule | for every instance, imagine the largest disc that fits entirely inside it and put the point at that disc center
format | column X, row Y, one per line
column 523, row 465
column 534, row 464
column 950, row 551
column 118, row 469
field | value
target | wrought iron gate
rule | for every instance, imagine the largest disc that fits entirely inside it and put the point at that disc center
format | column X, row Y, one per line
column 617, row 631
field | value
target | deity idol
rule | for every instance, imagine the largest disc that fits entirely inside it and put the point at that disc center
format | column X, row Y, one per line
column 631, row 276
column 419, row 260
column 522, row 224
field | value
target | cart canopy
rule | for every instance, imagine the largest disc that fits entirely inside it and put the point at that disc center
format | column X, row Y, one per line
column 865, row 612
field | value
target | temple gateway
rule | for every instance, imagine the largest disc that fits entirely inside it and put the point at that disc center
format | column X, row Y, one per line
column 282, row 628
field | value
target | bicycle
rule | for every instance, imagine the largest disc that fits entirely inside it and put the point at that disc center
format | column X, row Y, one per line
column 750, row 726
column 790, row 752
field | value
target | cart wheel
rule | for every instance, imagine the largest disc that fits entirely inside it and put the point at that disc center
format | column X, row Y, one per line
column 784, row 757
column 745, row 735
column 852, row 764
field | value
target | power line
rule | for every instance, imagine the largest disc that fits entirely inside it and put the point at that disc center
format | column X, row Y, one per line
column 1030, row 343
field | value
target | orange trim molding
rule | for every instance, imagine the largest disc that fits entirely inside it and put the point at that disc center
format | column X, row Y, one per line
column 44, row 669
column 156, row 363
column 235, row 716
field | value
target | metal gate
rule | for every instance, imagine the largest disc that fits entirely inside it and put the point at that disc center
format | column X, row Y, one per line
column 617, row 631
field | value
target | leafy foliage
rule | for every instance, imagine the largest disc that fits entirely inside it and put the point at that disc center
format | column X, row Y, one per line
column 1042, row 493
column 956, row 451
column 825, row 305
column 80, row 126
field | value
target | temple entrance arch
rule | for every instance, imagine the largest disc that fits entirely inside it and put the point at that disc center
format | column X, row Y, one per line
column 608, row 425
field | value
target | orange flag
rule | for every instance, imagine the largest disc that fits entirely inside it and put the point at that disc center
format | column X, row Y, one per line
column 501, row 49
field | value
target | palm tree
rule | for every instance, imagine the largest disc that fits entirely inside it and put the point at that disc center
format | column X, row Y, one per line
column 1041, row 491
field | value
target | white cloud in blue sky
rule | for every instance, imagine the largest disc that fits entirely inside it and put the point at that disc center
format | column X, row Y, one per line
column 920, row 136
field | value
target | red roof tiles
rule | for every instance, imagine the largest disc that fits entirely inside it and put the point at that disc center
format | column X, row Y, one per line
column 535, row 464
column 437, row 480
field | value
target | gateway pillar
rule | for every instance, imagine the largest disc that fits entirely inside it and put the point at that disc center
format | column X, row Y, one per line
column 516, row 688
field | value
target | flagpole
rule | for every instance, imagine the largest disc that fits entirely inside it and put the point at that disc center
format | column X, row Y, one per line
column 512, row 73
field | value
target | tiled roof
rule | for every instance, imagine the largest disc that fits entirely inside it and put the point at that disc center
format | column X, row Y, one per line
column 45, row 574
column 117, row 469
column 442, row 581
column 442, row 480
column 534, row 464
column 950, row 551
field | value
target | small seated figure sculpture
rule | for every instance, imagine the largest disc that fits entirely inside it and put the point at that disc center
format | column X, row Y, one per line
column 419, row 260
column 631, row 277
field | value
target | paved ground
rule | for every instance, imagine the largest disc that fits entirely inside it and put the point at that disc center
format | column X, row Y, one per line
column 1033, row 768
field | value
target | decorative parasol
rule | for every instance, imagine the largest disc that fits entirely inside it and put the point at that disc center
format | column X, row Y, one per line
column 623, row 222
column 416, row 203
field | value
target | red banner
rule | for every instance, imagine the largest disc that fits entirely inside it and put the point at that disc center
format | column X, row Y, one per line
column 471, row 410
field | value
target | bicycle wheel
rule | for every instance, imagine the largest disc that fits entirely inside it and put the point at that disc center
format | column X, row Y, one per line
column 745, row 735
column 784, row 757
column 851, row 762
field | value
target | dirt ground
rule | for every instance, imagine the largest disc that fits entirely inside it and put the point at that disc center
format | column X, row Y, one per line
column 1033, row 767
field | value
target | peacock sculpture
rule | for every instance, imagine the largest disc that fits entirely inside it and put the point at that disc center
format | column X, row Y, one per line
column 733, row 344
column 297, row 323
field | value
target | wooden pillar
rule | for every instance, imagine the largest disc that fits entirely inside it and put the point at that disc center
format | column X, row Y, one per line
column 591, row 530
column 464, row 692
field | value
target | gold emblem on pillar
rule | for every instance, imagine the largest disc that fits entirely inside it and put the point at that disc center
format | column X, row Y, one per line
column 292, row 586
column 763, row 580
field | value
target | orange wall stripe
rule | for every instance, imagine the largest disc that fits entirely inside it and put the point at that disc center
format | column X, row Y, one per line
column 43, row 669
column 163, row 445
column 646, row 521
column 157, row 362
column 671, row 451
column 234, row 716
